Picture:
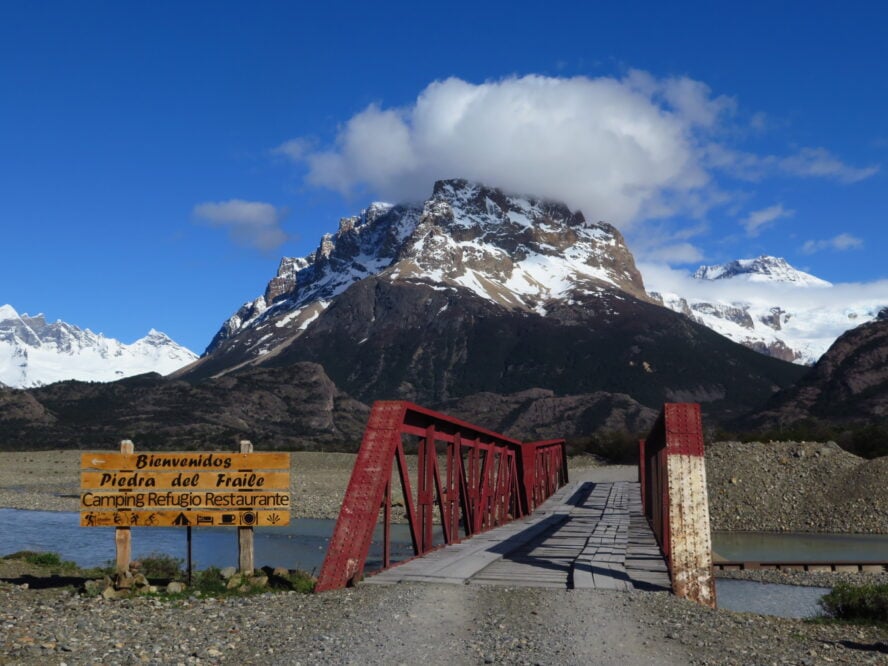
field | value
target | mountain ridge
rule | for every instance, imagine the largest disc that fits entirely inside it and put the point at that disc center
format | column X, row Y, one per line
column 764, row 268
column 848, row 384
column 516, row 251
column 34, row 352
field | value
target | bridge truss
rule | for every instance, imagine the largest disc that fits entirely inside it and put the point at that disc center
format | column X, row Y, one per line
column 472, row 478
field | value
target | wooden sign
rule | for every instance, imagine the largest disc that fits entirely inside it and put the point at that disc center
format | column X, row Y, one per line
column 127, row 480
column 171, row 499
column 208, row 462
column 184, row 489
column 164, row 518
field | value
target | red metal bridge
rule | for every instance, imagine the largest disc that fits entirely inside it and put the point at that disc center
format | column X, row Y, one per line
column 507, row 510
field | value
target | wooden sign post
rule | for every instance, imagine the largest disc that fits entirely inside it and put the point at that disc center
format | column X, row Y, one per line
column 245, row 534
column 186, row 489
column 123, row 538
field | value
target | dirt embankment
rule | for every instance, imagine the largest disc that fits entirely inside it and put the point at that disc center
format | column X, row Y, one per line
column 795, row 487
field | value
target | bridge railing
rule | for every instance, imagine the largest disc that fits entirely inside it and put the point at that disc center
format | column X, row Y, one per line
column 544, row 466
column 672, row 476
column 472, row 478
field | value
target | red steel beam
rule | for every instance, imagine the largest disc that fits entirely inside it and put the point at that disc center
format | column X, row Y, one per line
column 672, row 476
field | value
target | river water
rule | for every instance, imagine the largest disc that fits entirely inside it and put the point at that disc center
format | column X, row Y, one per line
column 300, row 545
column 769, row 599
column 798, row 547
column 303, row 543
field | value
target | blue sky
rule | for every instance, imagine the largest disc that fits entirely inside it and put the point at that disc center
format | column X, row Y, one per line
column 157, row 159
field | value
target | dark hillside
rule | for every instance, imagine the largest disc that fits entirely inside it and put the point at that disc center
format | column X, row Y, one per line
column 282, row 408
column 383, row 339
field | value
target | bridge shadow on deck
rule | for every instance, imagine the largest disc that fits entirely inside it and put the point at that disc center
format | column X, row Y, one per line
column 581, row 494
column 595, row 541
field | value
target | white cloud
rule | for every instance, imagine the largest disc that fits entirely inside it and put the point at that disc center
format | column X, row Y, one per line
column 674, row 253
column 806, row 163
column 818, row 162
column 295, row 149
column 754, row 222
column 670, row 246
column 691, row 100
column 840, row 243
column 621, row 150
column 250, row 223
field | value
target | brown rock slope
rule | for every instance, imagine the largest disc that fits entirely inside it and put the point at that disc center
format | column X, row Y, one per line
column 795, row 487
column 538, row 414
column 848, row 384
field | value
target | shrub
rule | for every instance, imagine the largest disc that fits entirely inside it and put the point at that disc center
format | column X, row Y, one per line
column 45, row 560
column 857, row 602
column 209, row 581
column 159, row 566
column 618, row 448
column 864, row 440
column 302, row 581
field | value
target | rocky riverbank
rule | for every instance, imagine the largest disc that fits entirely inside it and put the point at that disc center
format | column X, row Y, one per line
column 806, row 578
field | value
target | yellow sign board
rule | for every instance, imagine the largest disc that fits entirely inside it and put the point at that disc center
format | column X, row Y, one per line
column 164, row 518
column 190, row 480
column 98, row 501
column 209, row 462
column 184, row 489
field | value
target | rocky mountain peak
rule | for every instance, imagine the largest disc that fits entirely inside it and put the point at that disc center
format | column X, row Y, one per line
column 285, row 280
column 760, row 269
column 518, row 251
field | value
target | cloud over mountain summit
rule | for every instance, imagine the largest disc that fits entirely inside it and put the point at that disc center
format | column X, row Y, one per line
column 621, row 149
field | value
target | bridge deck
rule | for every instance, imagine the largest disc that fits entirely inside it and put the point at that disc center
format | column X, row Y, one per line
column 590, row 534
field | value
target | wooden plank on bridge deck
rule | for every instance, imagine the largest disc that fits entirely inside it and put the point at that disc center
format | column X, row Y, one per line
column 601, row 541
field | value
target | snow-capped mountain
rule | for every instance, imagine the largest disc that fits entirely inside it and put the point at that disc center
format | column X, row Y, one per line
column 762, row 269
column 770, row 306
column 34, row 352
column 519, row 252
